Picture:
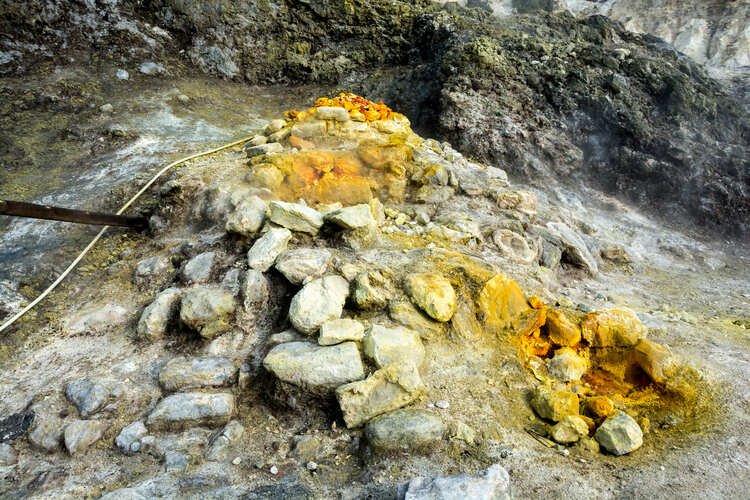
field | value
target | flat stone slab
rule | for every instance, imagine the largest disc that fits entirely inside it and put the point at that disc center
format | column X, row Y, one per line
column 490, row 484
column 315, row 368
column 192, row 409
column 295, row 217
column 393, row 345
column 182, row 373
column 404, row 430
column 341, row 330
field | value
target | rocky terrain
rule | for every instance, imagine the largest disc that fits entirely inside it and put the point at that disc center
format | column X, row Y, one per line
column 532, row 283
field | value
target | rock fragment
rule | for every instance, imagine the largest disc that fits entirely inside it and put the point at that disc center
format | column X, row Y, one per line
column 387, row 389
column 295, row 217
column 371, row 290
column 302, row 264
column 47, row 433
column 152, row 267
column 263, row 149
column 207, row 311
column 199, row 268
column 409, row 316
column 404, row 430
column 393, row 345
column 554, row 404
column 248, row 216
column 569, row 430
column 354, row 217
column 191, row 409
column 567, row 365
column 563, row 329
column 332, row 113
column 575, row 249
column 619, row 434
column 464, row 321
column 654, row 359
column 502, row 302
column 182, row 373
column 315, row 368
column 319, row 301
column 8, row 455
column 337, row 331
column 264, row 251
column 87, row 396
column 129, row 438
column 490, row 484
column 221, row 444
column 157, row 315
column 614, row 328
column 434, row 294
column 256, row 290
column 80, row 434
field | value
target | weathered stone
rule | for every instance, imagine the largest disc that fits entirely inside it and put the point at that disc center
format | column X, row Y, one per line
column 231, row 281
column 219, row 448
column 490, row 484
column 199, row 268
column 409, row 316
column 128, row 440
column 266, row 175
column 207, row 311
column 309, row 447
column 256, row 290
column 152, row 267
column 563, row 329
column 264, row 251
column 514, row 246
column 302, row 264
column 124, row 494
column 319, row 301
column 315, row 368
column 553, row 404
column 567, row 365
column 501, row 301
column 433, row 293
column 191, row 409
column 656, row 360
column 295, row 216
column 599, row 406
column 569, row 430
column 405, row 429
column 96, row 319
column 575, row 249
column 264, row 149
column 386, row 390
column 354, row 217
column 336, row 331
column 8, row 455
column 284, row 337
column 174, row 461
column 371, row 290
column 332, row 113
column 309, row 129
column 464, row 321
column 182, row 373
column 248, row 216
column 87, row 396
column 157, row 315
column 615, row 253
column 80, row 434
column 15, row 425
column 614, row 328
column 619, row 434
column 47, row 433
column 393, row 345
column 273, row 126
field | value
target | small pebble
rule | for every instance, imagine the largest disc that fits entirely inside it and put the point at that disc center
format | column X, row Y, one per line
column 237, row 461
column 311, row 466
column 442, row 403
column 565, row 452
column 274, row 470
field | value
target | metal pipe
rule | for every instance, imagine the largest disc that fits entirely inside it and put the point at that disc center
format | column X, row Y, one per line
column 31, row 210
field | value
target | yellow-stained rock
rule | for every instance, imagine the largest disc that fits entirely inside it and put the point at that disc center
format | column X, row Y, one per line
column 654, row 359
column 501, row 302
column 464, row 321
column 388, row 157
column 433, row 293
column 267, row 176
column 614, row 328
column 529, row 322
column 554, row 405
column 567, row 365
column 599, row 407
column 562, row 328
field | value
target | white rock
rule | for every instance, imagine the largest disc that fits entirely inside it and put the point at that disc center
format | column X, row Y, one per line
column 354, row 217
column 332, row 113
column 264, row 251
column 302, row 264
column 393, row 345
column 319, row 301
column 295, row 216
column 336, row 331
column 248, row 216
column 155, row 318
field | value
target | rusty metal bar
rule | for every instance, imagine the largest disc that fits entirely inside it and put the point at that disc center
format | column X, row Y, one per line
column 21, row 209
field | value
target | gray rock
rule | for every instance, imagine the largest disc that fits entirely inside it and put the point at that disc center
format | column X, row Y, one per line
column 220, row 446
column 295, row 217
column 332, row 113
column 319, row 301
column 47, row 433
column 191, row 409
column 128, row 440
column 124, row 494
column 199, row 268
column 80, row 434
column 157, row 315
column 231, row 281
column 151, row 68
column 567, row 365
column 284, row 337
column 386, row 390
column 207, row 311
column 256, row 290
column 569, row 430
column 371, row 290
column 575, row 248
column 405, row 429
column 619, row 434
column 315, row 368
column 303, row 264
column 490, row 484
column 174, row 461
column 514, row 246
column 8, row 455
column 183, row 373
column 248, row 217
column 87, row 396
column 264, row 149
column 393, row 345
column 264, row 251
column 337, row 331
column 354, row 217
column 122, row 74
column 151, row 267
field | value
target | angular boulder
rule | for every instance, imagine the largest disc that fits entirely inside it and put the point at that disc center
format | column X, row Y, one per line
column 295, row 217
column 354, row 217
column 553, row 404
column 405, row 429
column 567, row 365
column 87, row 396
column 319, row 301
column 569, row 430
column 248, row 217
column 264, row 251
column 393, row 345
column 157, row 315
column 80, row 434
column 562, row 328
column 619, row 434
column 502, row 302
column 207, row 311
column 434, row 294
column 182, row 373
column 613, row 328
column 302, row 264
column 337, row 331
column 192, row 409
